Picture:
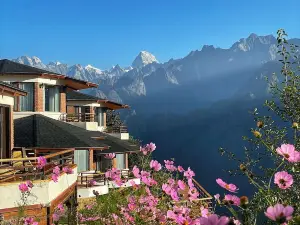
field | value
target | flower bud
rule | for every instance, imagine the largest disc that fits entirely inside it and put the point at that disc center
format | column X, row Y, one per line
column 257, row 134
column 244, row 200
column 243, row 167
column 295, row 125
column 260, row 124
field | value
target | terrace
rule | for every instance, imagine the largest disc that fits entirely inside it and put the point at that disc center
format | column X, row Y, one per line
column 45, row 194
column 101, row 185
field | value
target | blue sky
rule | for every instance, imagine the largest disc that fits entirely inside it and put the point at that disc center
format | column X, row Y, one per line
column 104, row 33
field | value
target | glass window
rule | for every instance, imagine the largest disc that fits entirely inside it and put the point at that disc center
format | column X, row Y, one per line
column 81, row 158
column 120, row 161
column 52, row 98
column 100, row 116
column 27, row 102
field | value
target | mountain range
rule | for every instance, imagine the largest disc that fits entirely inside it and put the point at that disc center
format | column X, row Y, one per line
column 193, row 105
column 175, row 79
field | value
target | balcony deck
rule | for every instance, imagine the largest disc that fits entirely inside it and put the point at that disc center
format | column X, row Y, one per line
column 45, row 194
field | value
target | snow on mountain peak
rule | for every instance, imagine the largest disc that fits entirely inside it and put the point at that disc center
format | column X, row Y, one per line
column 144, row 58
column 91, row 68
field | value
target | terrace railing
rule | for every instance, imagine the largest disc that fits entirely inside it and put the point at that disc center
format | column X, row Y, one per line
column 24, row 168
column 204, row 198
column 84, row 178
column 117, row 129
column 79, row 117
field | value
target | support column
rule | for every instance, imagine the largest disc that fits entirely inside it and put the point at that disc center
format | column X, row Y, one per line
column 38, row 97
column 114, row 163
column 63, row 100
column 126, row 160
column 91, row 159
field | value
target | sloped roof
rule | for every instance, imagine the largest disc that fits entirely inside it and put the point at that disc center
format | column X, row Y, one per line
column 13, row 68
column 38, row 131
column 12, row 88
column 78, row 96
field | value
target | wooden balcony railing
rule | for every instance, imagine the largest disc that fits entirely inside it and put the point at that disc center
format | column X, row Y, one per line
column 84, row 178
column 204, row 198
column 118, row 129
column 24, row 168
column 79, row 117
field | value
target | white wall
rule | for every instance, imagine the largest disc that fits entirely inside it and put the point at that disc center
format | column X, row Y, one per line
column 6, row 100
column 31, row 78
column 122, row 136
column 53, row 115
column 88, row 192
column 92, row 126
column 83, row 103
column 43, row 192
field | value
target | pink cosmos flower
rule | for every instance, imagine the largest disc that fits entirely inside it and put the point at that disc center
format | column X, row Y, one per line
column 29, row 184
column 232, row 200
column 191, row 183
column 155, row 165
column 110, row 156
column 67, row 170
column 151, row 147
column 23, row 187
column 193, row 194
column 189, row 174
column 42, row 161
column 170, row 165
column 61, row 208
column 136, row 172
column 54, row 177
column 30, row 221
column 228, row 187
column 204, row 212
column 289, row 153
column 217, row 196
column 93, row 182
column 279, row 213
column 180, row 169
column 55, row 217
column 237, row 222
column 214, row 220
column 283, row 180
column 56, row 170
column 181, row 184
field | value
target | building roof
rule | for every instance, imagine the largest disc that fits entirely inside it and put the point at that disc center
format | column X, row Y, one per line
column 38, row 131
column 8, row 67
column 78, row 96
column 11, row 88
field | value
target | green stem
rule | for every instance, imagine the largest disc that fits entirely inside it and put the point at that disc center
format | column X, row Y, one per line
column 274, row 174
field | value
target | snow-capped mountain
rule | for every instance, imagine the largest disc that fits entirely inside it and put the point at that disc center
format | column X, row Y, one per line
column 147, row 76
column 143, row 59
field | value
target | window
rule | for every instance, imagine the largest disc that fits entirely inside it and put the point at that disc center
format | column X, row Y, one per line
column 120, row 161
column 27, row 102
column 52, row 98
column 100, row 116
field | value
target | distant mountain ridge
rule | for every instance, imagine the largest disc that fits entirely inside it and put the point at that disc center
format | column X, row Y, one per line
column 147, row 76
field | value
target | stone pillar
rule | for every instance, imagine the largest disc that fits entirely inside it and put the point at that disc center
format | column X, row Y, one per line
column 91, row 159
column 63, row 100
column 126, row 160
column 38, row 97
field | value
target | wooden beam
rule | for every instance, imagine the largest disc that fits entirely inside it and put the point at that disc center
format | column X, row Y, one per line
column 126, row 160
column 91, row 159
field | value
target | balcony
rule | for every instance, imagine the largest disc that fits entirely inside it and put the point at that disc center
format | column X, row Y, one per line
column 45, row 193
column 101, row 185
column 84, row 120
